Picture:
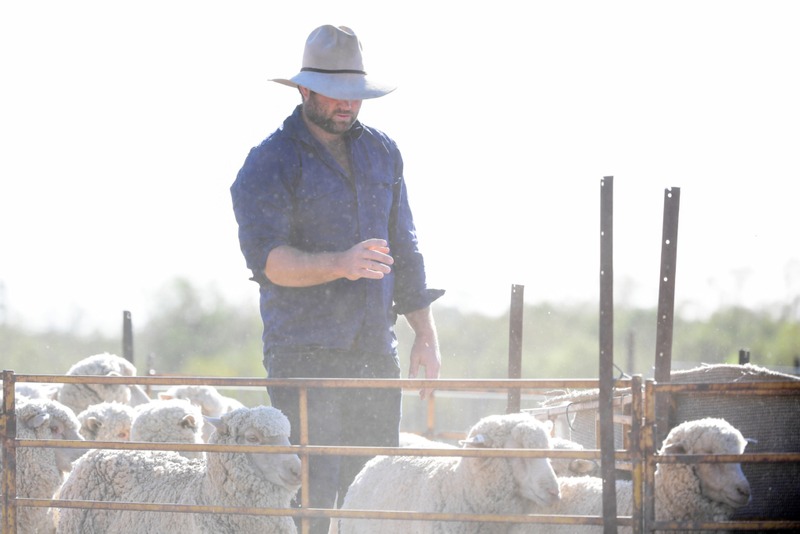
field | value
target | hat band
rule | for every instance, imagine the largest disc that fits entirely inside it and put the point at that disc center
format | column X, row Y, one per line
column 325, row 71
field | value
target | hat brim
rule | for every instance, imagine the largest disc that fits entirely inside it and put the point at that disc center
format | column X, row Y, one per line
column 343, row 86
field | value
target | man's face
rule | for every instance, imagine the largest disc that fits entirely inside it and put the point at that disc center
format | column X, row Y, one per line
column 332, row 116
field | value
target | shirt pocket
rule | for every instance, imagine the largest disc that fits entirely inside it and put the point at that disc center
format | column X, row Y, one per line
column 325, row 214
column 377, row 198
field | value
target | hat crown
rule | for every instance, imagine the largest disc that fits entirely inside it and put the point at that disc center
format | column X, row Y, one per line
column 329, row 48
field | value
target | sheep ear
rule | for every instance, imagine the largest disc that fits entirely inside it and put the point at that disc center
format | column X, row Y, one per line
column 165, row 396
column 37, row 420
column 218, row 424
column 113, row 373
column 675, row 448
column 93, row 424
column 581, row 466
column 477, row 441
column 189, row 422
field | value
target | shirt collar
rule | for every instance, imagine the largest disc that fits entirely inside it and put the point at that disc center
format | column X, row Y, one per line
column 296, row 128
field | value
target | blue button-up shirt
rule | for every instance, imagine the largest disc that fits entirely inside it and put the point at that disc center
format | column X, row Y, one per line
column 291, row 191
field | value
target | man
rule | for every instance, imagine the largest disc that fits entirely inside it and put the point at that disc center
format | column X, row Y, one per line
column 326, row 228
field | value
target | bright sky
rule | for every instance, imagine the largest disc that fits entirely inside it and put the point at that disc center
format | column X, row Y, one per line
column 124, row 124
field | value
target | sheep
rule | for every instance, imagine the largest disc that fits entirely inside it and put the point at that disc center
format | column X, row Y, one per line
column 210, row 401
column 705, row 492
column 575, row 467
column 169, row 421
column 107, row 421
column 40, row 471
column 457, row 484
column 78, row 397
column 257, row 480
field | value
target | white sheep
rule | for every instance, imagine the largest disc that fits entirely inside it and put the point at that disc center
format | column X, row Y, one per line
column 107, row 421
column 704, row 492
column 40, row 471
column 457, row 484
column 210, row 401
column 78, row 397
column 169, row 421
column 257, row 480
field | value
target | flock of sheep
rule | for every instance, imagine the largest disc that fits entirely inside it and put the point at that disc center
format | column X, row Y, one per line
column 197, row 414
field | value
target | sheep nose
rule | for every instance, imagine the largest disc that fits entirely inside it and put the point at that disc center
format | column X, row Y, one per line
column 744, row 491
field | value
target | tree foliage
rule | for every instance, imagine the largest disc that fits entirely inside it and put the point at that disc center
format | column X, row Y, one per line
column 196, row 331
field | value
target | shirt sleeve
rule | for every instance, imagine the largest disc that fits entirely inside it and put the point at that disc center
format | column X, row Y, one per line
column 262, row 202
column 410, row 290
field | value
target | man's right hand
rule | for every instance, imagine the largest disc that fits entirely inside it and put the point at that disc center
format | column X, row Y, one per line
column 290, row 267
column 368, row 259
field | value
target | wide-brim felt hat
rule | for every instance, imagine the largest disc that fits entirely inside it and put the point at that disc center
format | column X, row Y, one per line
column 333, row 66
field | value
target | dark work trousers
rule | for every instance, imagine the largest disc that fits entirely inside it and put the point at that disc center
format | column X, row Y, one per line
column 367, row 417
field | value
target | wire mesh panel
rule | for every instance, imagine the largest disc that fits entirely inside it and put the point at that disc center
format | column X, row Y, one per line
column 773, row 421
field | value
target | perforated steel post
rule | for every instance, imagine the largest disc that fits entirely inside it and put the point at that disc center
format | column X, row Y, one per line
column 666, row 306
column 515, row 345
column 605, row 409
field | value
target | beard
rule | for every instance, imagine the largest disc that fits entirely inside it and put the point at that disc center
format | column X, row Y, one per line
column 319, row 117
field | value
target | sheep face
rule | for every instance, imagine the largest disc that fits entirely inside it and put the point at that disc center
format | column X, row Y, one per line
column 724, row 483
column 263, row 426
column 280, row 469
column 46, row 426
column 535, row 477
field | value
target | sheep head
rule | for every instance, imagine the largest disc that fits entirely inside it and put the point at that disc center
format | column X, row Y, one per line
column 723, row 482
column 52, row 421
column 534, row 477
column 264, row 426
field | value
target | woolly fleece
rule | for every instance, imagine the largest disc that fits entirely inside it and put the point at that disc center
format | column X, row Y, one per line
column 447, row 484
column 210, row 401
column 78, row 397
column 107, row 421
column 227, row 479
column 38, row 473
column 679, row 496
column 169, row 421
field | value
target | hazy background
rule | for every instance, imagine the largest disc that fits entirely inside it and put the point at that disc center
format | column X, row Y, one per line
column 124, row 124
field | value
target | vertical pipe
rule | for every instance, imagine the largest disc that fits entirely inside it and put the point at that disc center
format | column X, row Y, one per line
column 666, row 305
column 515, row 345
column 127, row 336
column 605, row 409
column 9, row 434
column 631, row 352
column 648, row 450
column 744, row 356
column 304, row 495
column 636, row 450
column 431, row 424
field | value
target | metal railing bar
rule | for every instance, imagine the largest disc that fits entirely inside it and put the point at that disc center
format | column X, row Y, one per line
column 314, row 512
column 441, row 383
column 319, row 449
column 729, row 387
column 725, row 525
column 759, row 458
